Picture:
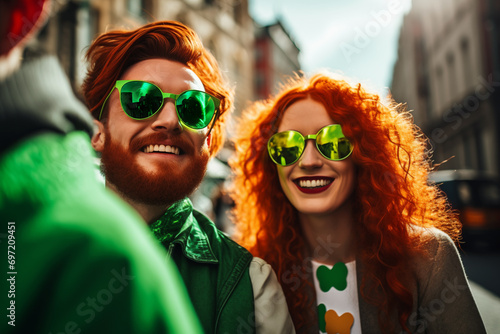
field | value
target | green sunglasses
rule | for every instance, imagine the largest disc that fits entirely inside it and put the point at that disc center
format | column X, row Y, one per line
column 285, row 148
column 141, row 100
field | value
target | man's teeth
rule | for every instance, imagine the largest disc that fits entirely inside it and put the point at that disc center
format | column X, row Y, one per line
column 314, row 183
column 161, row 148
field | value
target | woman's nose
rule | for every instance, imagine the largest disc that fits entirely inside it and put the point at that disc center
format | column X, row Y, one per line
column 311, row 158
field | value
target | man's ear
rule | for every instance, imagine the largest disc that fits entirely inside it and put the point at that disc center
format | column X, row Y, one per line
column 99, row 137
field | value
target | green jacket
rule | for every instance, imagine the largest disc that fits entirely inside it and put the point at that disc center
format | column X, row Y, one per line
column 214, row 269
column 80, row 259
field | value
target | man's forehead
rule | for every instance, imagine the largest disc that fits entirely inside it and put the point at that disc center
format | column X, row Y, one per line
column 163, row 71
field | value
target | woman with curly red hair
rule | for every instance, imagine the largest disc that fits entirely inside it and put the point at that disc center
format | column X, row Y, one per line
column 331, row 189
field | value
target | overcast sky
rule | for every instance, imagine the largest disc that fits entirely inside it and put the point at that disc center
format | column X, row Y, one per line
column 357, row 37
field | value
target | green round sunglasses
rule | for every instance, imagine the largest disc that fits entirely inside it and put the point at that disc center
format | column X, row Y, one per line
column 141, row 100
column 285, row 148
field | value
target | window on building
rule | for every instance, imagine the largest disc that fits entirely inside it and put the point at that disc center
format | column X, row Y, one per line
column 466, row 59
column 470, row 153
column 94, row 19
column 66, row 39
column 147, row 9
column 453, row 151
column 439, row 90
column 473, row 149
column 480, row 151
column 452, row 83
column 140, row 7
column 239, row 11
column 134, row 7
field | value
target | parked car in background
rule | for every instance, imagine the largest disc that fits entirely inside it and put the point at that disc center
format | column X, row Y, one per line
column 476, row 196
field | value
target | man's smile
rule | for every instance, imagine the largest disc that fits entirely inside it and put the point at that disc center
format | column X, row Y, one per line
column 161, row 148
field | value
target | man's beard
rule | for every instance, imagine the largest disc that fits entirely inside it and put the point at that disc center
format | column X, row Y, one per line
column 165, row 186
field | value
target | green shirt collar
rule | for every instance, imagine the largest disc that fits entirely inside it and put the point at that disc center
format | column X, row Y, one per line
column 179, row 226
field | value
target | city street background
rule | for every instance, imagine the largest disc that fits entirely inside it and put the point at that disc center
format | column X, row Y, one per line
column 439, row 58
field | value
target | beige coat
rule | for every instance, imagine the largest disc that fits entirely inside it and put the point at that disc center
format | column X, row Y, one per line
column 443, row 302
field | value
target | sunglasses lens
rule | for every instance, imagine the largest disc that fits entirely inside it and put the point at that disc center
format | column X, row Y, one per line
column 140, row 99
column 332, row 143
column 285, row 148
column 196, row 109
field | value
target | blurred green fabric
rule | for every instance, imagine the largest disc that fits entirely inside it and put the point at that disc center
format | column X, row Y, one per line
column 84, row 260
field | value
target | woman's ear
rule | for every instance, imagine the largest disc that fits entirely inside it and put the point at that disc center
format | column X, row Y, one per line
column 209, row 137
column 99, row 137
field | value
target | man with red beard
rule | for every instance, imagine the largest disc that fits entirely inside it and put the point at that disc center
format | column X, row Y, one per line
column 160, row 104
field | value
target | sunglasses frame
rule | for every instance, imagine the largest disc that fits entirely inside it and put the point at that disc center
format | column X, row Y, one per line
column 306, row 138
column 120, row 83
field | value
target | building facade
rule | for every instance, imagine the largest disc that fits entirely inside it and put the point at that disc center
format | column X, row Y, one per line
column 448, row 74
column 224, row 26
column 276, row 57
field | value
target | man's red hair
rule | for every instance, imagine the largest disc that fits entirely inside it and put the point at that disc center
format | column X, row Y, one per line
column 392, row 193
column 112, row 53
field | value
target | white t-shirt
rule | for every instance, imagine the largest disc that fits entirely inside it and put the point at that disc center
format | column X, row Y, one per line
column 337, row 297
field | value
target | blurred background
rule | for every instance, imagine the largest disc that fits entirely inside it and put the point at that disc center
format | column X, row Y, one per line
column 441, row 58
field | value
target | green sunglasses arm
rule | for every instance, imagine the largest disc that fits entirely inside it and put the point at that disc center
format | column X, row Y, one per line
column 104, row 103
column 213, row 122
column 118, row 84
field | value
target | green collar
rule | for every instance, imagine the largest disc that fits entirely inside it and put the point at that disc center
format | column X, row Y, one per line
column 179, row 226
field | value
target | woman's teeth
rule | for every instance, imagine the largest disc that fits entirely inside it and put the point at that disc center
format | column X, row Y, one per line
column 314, row 183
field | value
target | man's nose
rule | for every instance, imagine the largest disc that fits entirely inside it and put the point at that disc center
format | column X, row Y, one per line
column 166, row 119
